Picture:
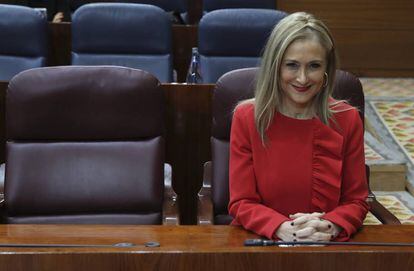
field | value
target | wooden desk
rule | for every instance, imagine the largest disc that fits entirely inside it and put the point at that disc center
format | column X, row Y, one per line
column 193, row 248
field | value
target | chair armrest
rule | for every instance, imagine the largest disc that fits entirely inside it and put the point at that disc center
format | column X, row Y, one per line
column 170, row 213
column 377, row 209
column 2, row 173
column 204, row 202
column 2, row 211
column 380, row 212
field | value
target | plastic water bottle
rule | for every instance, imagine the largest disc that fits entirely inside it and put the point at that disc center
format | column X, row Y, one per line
column 42, row 11
column 193, row 75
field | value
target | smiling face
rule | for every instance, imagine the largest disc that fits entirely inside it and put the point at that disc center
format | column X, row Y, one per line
column 302, row 74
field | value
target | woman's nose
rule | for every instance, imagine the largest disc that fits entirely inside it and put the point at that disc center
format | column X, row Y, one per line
column 302, row 77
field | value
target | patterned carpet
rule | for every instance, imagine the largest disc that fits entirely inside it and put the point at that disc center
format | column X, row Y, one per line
column 390, row 108
column 398, row 118
column 371, row 155
column 388, row 87
column 390, row 111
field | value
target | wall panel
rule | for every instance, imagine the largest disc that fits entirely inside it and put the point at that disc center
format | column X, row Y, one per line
column 374, row 37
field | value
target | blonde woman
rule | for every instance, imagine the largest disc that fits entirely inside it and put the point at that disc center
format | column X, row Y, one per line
column 297, row 168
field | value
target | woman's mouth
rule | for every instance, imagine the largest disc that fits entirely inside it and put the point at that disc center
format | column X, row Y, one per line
column 301, row 88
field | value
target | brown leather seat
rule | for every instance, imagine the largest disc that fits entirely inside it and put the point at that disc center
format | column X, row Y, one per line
column 230, row 89
column 85, row 145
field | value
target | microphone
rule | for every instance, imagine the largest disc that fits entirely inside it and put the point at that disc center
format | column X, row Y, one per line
column 258, row 243
column 265, row 242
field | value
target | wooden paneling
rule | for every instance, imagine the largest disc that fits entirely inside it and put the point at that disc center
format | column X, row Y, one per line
column 194, row 248
column 376, row 52
column 374, row 37
column 391, row 177
column 188, row 141
column 356, row 14
column 195, row 11
column 184, row 38
column 60, row 38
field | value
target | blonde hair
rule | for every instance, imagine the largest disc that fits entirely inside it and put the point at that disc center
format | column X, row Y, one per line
column 268, row 94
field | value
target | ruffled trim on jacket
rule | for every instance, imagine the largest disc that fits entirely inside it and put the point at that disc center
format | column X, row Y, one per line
column 327, row 167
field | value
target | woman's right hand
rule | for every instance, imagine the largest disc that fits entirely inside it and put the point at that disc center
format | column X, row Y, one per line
column 287, row 232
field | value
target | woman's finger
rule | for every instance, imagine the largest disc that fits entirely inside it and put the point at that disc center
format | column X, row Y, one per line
column 320, row 236
column 305, row 232
column 314, row 214
column 297, row 215
column 303, row 219
column 319, row 225
column 300, row 220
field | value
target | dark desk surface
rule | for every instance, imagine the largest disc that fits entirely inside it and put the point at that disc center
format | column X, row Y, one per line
column 193, row 248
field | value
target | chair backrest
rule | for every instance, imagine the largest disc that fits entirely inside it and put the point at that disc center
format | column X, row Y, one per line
column 232, row 88
column 209, row 5
column 23, row 40
column 167, row 5
column 131, row 35
column 231, row 39
column 84, row 145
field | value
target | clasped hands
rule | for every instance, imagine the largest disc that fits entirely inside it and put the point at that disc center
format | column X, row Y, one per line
column 307, row 227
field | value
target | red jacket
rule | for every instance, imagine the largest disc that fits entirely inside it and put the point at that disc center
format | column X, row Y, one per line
column 305, row 167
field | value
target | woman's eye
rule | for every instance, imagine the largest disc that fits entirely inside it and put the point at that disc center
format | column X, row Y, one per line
column 292, row 65
column 315, row 66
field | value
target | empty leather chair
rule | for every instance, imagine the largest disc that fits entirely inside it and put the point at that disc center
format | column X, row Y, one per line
column 52, row 6
column 209, row 5
column 130, row 35
column 85, row 145
column 167, row 5
column 23, row 40
column 230, row 39
column 232, row 88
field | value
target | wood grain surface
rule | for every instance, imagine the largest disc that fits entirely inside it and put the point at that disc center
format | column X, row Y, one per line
column 374, row 37
column 194, row 248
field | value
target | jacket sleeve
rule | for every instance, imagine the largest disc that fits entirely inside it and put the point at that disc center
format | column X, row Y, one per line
column 352, row 207
column 245, row 203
